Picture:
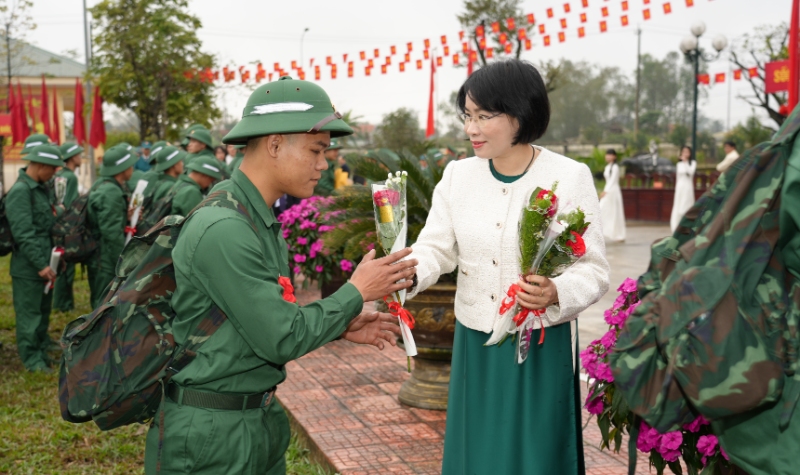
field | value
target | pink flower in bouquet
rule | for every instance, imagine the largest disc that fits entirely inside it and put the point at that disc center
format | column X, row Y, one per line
column 604, row 372
column 614, row 317
column 577, row 245
column 550, row 196
column 319, row 269
column 595, row 406
column 707, row 446
column 300, row 258
column 325, row 228
column 628, row 286
column 370, row 246
column 346, row 265
column 286, row 233
column 306, row 224
column 696, row 424
column 297, row 270
column 302, row 241
column 649, row 438
column 669, row 448
column 609, row 339
column 317, row 245
column 386, row 197
column 724, row 454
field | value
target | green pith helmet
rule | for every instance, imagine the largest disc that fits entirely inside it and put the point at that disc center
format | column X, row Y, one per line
column 45, row 154
column 34, row 141
column 116, row 160
column 125, row 146
column 157, row 147
column 168, row 157
column 287, row 106
column 201, row 134
column 184, row 138
column 335, row 145
column 69, row 150
column 207, row 166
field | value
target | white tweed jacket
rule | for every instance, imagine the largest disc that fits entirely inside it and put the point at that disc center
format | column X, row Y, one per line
column 473, row 224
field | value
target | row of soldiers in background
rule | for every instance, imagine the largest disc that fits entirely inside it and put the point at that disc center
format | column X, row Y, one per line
column 177, row 181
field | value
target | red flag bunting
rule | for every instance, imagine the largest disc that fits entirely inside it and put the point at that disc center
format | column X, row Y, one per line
column 430, row 129
column 56, row 137
column 446, row 50
column 546, row 40
column 455, row 59
column 277, row 66
column 97, row 133
column 704, row 79
column 624, row 6
column 407, row 57
column 427, row 43
column 585, row 3
column 689, row 3
column 541, row 29
column 383, row 69
column 344, row 58
column 367, row 71
column 439, row 61
column 392, row 50
column 646, row 13
column 350, row 71
column 444, row 39
column 333, row 71
column 561, row 37
column 503, row 38
column 522, row 33
column 737, row 75
column 328, row 61
column 402, row 67
column 511, row 24
column 550, row 13
column 646, row 2
column 482, row 44
column 370, row 64
column 604, row 11
column 581, row 32
column 508, row 48
column 377, row 53
column 563, row 23
column 667, row 8
column 388, row 60
column 567, row 8
column 363, row 55
column 45, row 111
column 317, row 73
column 583, row 18
column 496, row 27
column 490, row 53
column 410, row 46
column 479, row 30
column 603, row 26
column 465, row 47
column 419, row 64
column 719, row 77
column 461, row 35
column 426, row 54
column 79, row 124
column 294, row 63
column 528, row 45
column 531, row 19
column 753, row 72
column 300, row 74
column 624, row 20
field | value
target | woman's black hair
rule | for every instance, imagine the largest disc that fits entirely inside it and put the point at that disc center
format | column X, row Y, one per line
column 691, row 155
column 514, row 88
column 611, row 151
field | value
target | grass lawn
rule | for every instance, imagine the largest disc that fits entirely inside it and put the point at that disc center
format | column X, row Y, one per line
column 33, row 437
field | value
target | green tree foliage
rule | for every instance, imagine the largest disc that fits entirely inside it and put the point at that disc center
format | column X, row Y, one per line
column 398, row 130
column 749, row 134
column 766, row 44
column 667, row 93
column 680, row 135
column 143, row 48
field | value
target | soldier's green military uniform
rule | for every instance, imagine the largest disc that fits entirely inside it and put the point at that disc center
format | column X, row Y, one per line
column 108, row 217
column 31, row 212
column 202, row 135
column 62, row 294
column 245, row 356
column 187, row 193
column 185, row 134
column 168, row 158
column 151, row 175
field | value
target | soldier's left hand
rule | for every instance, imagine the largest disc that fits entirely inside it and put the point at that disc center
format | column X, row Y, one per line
column 373, row 328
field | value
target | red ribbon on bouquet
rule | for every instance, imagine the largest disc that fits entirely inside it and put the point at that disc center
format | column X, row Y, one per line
column 130, row 230
column 288, row 289
column 511, row 300
column 398, row 311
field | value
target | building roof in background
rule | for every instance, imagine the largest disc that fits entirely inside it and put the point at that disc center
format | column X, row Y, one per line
column 28, row 60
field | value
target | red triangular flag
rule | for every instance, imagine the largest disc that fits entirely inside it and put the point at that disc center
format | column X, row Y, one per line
column 23, row 117
column 97, row 134
column 431, row 128
column 56, row 137
column 45, row 112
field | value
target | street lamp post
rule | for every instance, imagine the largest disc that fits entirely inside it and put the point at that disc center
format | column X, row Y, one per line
column 302, row 65
column 690, row 46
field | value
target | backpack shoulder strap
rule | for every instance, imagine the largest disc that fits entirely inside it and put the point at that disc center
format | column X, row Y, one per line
column 223, row 199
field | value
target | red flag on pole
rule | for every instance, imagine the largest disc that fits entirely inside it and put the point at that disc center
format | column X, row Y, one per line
column 45, row 112
column 79, row 127
column 431, row 128
column 23, row 117
column 97, row 134
column 56, row 137
column 30, row 109
column 17, row 133
column 794, row 56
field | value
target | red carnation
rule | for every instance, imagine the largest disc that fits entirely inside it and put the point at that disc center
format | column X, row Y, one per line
column 288, row 289
column 550, row 196
column 386, row 197
column 577, row 245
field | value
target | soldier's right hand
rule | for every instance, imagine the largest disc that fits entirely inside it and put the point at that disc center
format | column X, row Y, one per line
column 377, row 278
column 47, row 274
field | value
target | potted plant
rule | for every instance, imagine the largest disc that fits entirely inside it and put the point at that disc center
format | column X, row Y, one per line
column 304, row 228
column 351, row 212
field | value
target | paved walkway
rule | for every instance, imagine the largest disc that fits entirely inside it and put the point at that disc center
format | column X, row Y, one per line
column 342, row 398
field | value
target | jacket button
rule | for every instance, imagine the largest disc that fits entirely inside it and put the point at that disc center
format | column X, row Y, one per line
column 505, row 191
column 494, row 297
column 494, row 262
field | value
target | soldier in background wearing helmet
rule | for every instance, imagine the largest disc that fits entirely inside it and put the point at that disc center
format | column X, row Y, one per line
column 151, row 175
column 185, row 134
column 108, row 217
column 62, row 294
column 169, row 165
column 219, row 413
column 34, row 141
column 189, row 190
column 31, row 211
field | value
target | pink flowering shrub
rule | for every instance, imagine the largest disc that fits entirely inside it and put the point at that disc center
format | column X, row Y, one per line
column 694, row 444
column 304, row 234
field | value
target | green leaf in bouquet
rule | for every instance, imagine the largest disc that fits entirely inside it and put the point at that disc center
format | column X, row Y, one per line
column 617, row 439
column 604, row 422
column 675, row 467
column 657, row 461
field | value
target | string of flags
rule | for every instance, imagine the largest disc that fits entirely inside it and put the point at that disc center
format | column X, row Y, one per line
column 555, row 23
column 737, row 75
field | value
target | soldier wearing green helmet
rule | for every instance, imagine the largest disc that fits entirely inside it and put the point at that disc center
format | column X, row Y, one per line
column 185, row 134
column 169, row 165
column 219, row 413
column 108, row 216
column 151, row 175
column 189, row 190
column 62, row 294
column 327, row 183
column 31, row 211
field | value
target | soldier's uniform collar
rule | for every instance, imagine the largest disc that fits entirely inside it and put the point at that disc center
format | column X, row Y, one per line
column 254, row 197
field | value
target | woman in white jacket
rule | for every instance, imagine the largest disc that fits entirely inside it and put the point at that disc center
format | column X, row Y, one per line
column 684, row 187
column 504, row 418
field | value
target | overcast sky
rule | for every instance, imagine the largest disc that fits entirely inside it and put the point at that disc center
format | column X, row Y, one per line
column 242, row 32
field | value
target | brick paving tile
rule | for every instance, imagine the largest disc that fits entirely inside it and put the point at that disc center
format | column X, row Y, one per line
column 392, row 389
column 371, row 404
column 335, row 438
column 428, row 415
column 344, row 392
column 397, row 416
column 341, row 377
column 404, row 432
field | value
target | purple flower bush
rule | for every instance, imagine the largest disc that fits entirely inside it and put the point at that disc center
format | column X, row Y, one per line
column 694, row 443
column 304, row 236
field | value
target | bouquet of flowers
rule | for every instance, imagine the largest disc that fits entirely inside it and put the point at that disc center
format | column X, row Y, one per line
column 55, row 260
column 304, row 234
column 391, row 221
column 694, row 442
column 60, row 188
column 548, row 245
column 137, row 199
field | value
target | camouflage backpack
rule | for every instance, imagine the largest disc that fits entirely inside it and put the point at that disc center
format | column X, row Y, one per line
column 6, row 239
column 158, row 211
column 71, row 231
column 117, row 360
column 716, row 330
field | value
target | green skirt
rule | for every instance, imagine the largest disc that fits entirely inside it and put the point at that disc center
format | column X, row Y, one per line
column 504, row 418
